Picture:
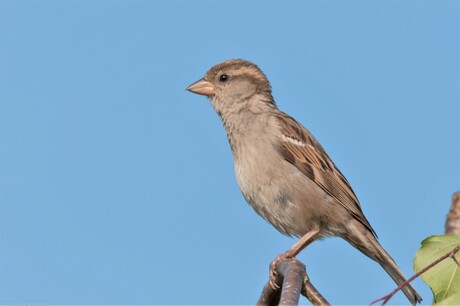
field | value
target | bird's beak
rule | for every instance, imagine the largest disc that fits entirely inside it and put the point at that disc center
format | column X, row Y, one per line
column 202, row 87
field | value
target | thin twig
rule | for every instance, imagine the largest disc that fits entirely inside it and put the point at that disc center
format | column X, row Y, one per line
column 455, row 260
column 387, row 297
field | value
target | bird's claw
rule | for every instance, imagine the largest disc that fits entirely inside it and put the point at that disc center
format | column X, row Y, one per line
column 273, row 273
column 273, row 277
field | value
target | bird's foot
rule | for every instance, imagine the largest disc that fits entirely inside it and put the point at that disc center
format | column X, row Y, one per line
column 273, row 265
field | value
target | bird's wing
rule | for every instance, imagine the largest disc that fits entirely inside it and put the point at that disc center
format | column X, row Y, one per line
column 301, row 149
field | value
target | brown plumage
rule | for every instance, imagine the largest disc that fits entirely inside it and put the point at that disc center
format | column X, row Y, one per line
column 283, row 171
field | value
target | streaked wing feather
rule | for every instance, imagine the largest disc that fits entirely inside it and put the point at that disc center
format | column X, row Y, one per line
column 307, row 154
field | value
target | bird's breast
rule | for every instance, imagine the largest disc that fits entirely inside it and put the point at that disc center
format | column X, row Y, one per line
column 271, row 190
column 279, row 192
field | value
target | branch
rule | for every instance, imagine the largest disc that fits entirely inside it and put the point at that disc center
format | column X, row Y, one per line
column 453, row 218
column 292, row 281
column 313, row 295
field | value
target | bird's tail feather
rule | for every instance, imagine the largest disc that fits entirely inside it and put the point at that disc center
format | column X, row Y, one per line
column 367, row 243
column 392, row 269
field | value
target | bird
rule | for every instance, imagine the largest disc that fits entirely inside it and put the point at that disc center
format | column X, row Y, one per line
column 282, row 170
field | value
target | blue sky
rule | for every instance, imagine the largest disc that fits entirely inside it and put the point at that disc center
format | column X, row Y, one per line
column 117, row 185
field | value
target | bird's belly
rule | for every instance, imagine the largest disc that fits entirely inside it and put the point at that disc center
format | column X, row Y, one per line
column 283, row 196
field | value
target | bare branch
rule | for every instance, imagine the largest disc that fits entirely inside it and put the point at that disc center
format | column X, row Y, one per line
column 453, row 218
column 313, row 295
column 269, row 296
column 292, row 280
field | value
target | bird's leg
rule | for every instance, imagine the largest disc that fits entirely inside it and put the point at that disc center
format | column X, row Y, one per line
column 304, row 241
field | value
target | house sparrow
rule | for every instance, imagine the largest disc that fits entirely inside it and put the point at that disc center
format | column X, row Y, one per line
column 283, row 171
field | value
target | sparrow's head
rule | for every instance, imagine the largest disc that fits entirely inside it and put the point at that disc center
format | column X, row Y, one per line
column 232, row 84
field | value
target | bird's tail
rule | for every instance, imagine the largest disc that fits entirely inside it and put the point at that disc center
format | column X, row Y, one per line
column 367, row 243
column 392, row 269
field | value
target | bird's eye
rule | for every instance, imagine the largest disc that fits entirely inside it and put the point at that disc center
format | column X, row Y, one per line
column 223, row 78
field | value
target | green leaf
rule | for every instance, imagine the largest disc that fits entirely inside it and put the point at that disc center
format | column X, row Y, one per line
column 443, row 278
column 451, row 300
